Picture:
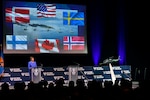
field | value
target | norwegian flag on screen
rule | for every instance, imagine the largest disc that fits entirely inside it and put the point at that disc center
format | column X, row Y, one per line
column 47, row 45
column 17, row 15
column 73, row 43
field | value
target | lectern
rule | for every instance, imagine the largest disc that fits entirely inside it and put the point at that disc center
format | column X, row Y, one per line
column 73, row 73
column 36, row 75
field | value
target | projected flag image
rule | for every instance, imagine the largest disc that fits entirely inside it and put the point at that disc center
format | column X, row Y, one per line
column 46, row 45
column 73, row 42
column 46, row 25
column 73, row 18
column 16, row 42
column 18, row 15
column 46, row 10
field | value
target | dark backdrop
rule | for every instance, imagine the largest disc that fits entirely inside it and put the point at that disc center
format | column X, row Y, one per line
column 136, row 16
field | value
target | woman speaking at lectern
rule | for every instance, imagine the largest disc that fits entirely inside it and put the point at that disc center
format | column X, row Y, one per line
column 31, row 64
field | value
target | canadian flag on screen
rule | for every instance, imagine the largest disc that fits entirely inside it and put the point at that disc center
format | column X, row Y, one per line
column 47, row 45
column 17, row 15
column 73, row 43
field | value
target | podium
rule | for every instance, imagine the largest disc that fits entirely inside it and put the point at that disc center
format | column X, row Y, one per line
column 36, row 75
column 73, row 73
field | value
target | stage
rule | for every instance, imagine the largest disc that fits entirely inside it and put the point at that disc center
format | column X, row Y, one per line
column 52, row 73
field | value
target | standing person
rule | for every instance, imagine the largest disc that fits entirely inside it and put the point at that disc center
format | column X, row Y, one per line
column 31, row 64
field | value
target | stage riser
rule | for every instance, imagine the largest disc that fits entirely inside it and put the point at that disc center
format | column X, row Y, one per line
column 50, row 74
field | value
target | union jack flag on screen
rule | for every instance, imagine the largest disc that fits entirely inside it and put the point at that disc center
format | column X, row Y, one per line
column 46, row 10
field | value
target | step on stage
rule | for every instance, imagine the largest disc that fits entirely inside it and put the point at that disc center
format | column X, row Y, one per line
column 52, row 73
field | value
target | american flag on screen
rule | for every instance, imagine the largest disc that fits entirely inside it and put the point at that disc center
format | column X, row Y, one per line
column 17, row 15
column 46, row 45
column 73, row 43
column 46, row 10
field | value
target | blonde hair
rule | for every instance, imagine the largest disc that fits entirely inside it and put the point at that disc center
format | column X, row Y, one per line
column 31, row 57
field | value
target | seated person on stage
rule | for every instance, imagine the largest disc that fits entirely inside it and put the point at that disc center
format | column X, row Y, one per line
column 1, row 70
column 31, row 64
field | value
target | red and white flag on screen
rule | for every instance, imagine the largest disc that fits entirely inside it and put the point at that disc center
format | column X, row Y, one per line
column 46, row 10
column 47, row 45
column 17, row 15
column 73, row 43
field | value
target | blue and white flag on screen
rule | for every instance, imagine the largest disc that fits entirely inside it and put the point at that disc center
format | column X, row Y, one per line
column 16, row 42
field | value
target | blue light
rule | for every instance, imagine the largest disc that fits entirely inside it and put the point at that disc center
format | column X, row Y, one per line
column 96, row 52
column 121, row 35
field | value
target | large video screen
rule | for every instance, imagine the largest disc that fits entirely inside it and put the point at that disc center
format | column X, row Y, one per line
column 41, row 27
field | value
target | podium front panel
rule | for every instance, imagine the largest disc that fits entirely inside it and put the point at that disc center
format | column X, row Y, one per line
column 36, row 75
column 73, row 73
